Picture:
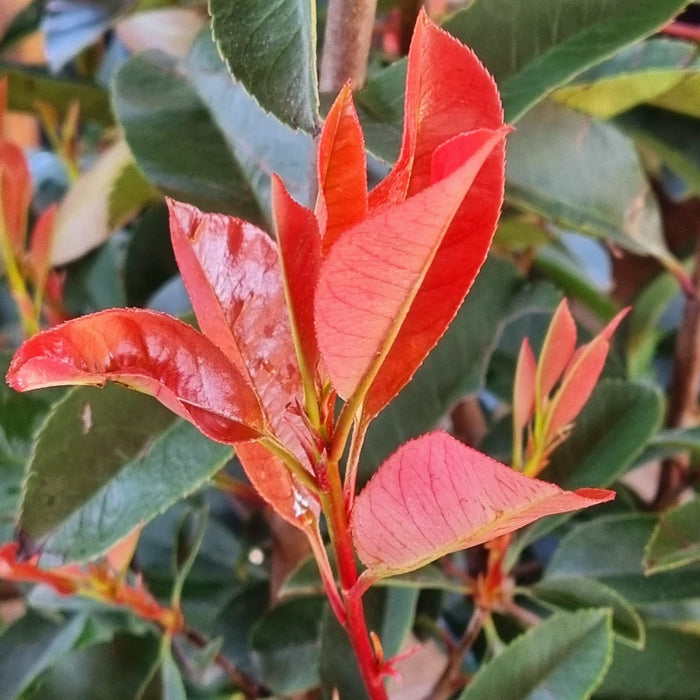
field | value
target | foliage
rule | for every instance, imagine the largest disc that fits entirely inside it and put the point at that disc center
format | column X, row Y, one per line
column 278, row 509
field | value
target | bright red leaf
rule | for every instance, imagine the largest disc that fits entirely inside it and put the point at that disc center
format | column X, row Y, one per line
column 149, row 352
column 558, row 347
column 372, row 277
column 342, row 171
column 436, row 495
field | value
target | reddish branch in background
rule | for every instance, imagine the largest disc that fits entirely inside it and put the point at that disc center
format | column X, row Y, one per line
column 345, row 306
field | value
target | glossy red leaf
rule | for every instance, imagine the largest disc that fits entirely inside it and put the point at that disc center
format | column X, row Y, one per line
column 342, row 171
column 436, row 495
column 558, row 347
column 232, row 273
column 369, row 291
column 581, row 376
column 149, row 352
column 300, row 252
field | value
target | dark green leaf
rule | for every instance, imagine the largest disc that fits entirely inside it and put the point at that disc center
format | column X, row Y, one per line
column 102, row 671
column 611, row 549
column 172, row 464
column 83, row 444
column 286, row 643
column 676, row 539
column 613, row 428
column 534, row 47
column 584, row 175
column 30, row 646
column 670, row 442
column 457, row 365
column 577, row 593
column 670, row 137
column 270, row 48
column 566, row 656
column 667, row 669
column 26, row 85
column 260, row 143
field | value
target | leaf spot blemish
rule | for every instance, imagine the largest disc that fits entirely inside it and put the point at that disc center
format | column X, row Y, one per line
column 86, row 418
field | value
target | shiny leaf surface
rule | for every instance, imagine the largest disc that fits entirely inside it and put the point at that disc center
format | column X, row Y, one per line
column 149, row 352
column 436, row 495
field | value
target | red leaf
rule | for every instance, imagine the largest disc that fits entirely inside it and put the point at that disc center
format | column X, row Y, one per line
column 372, row 277
column 557, row 349
column 342, row 171
column 435, row 496
column 524, row 386
column 149, row 352
column 448, row 92
column 232, row 273
column 300, row 253
column 581, row 376
column 15, row 194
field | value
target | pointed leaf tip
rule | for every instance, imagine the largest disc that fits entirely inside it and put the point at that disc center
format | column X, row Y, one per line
column 436, row 495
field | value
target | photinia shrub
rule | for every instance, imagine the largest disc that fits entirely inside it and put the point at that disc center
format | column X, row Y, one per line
column 330, row 349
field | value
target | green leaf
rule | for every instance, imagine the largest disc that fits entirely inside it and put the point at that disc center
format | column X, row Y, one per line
column 611, row 430
column 566, row 656
column 683, row 96
column 676, row 539
column 270, row 48
column 611, row 549
column 584, row 175
column 227, row 147
column 102, row 671
column 31, row 645
column 667, row 669
column 170, row 466
column 643, row 331
column 260, row 143
column 287, row 646
column 84, row 442
column 670, row 442
column 534, row 47
column 578, row 592
column 672, row 138
column 389, row 612
column 457, row 365
column 171, row 680
column 26, row 85
column 636, row 74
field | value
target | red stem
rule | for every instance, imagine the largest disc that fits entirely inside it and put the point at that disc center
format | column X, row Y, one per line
column 356, row 626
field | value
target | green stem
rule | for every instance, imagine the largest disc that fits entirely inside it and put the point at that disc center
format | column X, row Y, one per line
column 353, row 463
column 295, row 466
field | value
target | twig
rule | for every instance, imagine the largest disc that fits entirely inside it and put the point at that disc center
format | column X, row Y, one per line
column 683, row 399
column 409, row 10
column 682, row 30
column 250, row 689
column 346, row 44
column 451, row 678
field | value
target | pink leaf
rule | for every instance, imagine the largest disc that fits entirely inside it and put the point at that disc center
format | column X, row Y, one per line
column 40, row 245
column 149, row 352
column 524, row 386
column 342, row 171
column 372, row 277
column 557, row 349
column 580, row 377
column 435, row 496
